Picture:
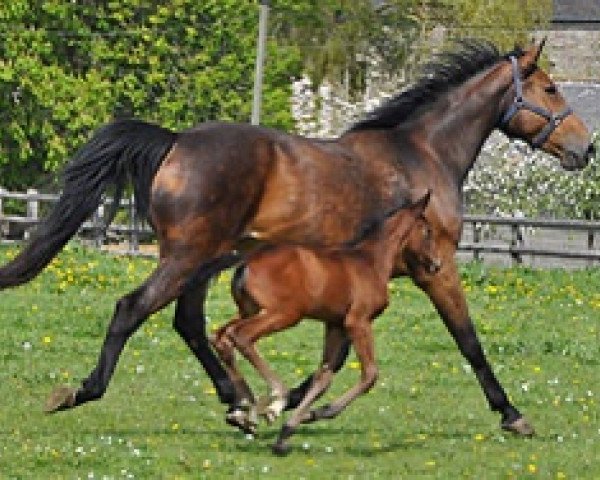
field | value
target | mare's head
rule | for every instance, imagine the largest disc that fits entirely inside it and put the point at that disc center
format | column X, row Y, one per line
column 535, row 111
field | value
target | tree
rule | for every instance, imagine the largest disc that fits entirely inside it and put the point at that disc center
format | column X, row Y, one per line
column 337, row 36
column 68, row 67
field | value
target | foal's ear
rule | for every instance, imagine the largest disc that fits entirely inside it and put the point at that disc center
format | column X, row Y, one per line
column 420, row 200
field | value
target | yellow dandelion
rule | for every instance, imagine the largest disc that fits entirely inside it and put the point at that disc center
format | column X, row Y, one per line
column 47, row 340
column 175, row 426
column 479, row 437
column 355, row 365
column 210, row 391
column 532, row 468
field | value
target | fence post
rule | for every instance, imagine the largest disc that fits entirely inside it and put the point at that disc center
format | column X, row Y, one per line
column 133, row 227
column 590, row 244
column 516, row 239
column 98, row 230
column 476, row 240
column 3, row 225
column 32, row 204
column 33, row 209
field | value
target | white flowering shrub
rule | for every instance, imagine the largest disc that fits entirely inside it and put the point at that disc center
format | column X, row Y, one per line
column 508, row 179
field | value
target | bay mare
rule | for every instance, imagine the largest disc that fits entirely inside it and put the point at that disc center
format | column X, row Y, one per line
column 207, row 189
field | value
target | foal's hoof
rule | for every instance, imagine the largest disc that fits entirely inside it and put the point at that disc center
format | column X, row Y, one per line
column 242, row 420
column 520, row 426
column 62, row 398
column 281, row 449
column 271, row 407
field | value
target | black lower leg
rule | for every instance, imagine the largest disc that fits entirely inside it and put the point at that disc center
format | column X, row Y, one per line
column 470, row 347
column 126, row 319
column 190, row 323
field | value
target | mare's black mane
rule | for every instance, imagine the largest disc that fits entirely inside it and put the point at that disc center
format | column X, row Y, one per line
column 444, row 72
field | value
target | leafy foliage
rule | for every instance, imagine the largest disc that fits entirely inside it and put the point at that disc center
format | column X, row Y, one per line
column 68, row 67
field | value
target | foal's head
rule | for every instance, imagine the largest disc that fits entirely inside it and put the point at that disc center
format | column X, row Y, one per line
column 421, row 246
column 537, row 112
column 416, row 239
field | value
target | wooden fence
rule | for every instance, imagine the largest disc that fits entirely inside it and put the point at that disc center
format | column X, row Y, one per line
column 494, row 239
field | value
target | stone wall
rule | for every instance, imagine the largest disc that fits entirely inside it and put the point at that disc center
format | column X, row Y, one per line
column 574, row 54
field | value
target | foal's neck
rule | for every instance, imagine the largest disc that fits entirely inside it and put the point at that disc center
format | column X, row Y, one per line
column 380, row 248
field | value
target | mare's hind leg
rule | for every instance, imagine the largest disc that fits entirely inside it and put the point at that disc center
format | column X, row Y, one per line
column 190, row 324
column 445, row 291
column 160, row 288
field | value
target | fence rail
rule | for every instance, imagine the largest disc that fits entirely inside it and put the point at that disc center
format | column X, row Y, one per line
column 489, row 238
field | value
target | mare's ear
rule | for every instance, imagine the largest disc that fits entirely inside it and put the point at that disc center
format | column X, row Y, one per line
column 531, row 56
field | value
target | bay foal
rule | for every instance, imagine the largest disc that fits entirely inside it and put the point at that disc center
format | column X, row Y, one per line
column 344, row 287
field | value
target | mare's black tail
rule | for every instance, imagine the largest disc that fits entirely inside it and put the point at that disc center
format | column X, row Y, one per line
column 122, row 150
column 209, row 269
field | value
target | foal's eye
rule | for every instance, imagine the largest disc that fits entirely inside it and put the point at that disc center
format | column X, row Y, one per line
column 551, row 89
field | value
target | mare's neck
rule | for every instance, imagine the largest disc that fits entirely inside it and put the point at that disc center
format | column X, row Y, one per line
column 460, row 122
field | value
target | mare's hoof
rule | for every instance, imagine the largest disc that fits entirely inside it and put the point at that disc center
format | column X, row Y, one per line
column 241, row 420
column 281, row 449
column 62, row 398
column 520, row 427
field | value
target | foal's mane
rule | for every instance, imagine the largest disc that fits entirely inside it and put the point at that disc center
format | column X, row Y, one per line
column 445, row 71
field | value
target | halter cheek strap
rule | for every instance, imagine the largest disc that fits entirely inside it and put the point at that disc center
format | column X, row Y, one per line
column 520, row 103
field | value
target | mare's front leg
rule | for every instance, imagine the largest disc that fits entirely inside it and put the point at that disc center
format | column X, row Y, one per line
column 190, row 324
column 164, row 285
column 445, row 291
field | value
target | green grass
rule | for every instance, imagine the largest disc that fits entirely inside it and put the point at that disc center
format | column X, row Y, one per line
column 425, row 418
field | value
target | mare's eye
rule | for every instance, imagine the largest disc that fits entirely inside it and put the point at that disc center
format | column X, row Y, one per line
column 551, row 89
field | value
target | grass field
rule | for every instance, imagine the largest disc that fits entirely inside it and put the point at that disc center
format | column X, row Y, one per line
column 426, row 418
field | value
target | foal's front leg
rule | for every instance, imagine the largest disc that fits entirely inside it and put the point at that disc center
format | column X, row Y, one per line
column 361, row 336
column 335, row 339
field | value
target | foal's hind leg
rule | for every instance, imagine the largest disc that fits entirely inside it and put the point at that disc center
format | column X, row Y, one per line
column 445, row 291
column 160, row 288
column 245, row 333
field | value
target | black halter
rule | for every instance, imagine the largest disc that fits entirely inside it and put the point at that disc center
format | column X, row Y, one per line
column 520, row 103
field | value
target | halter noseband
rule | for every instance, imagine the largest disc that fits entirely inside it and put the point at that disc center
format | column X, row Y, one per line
column 519, row 103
